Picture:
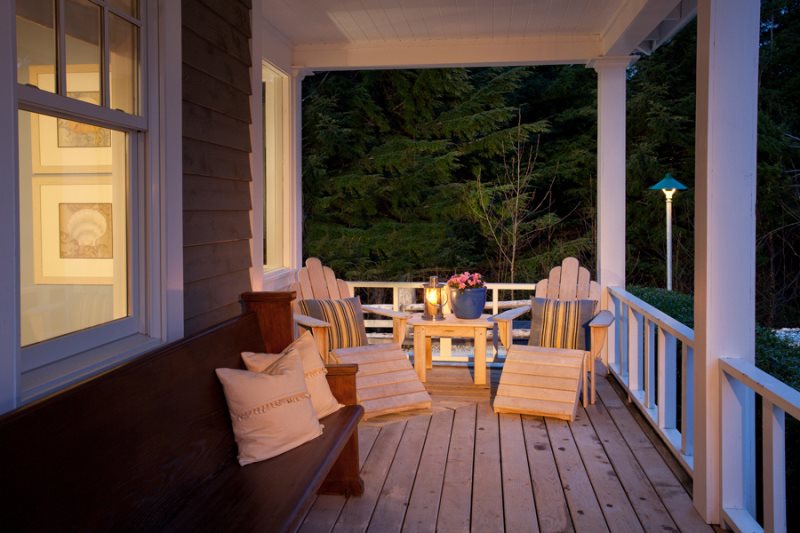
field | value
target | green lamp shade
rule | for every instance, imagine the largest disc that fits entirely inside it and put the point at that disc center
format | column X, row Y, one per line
column 668, row 183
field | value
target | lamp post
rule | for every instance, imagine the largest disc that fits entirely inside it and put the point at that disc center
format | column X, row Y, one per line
column 669, row 185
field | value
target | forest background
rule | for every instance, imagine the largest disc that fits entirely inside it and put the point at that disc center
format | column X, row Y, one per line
column 411, row 173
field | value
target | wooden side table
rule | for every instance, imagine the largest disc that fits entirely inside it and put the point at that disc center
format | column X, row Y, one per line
column 448, row 328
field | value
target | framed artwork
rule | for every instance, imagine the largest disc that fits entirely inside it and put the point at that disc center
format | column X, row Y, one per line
column 61, row 146
column 73, row 231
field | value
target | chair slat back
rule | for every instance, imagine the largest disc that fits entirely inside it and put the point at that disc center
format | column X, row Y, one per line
column 569, row 281
column 318, row 282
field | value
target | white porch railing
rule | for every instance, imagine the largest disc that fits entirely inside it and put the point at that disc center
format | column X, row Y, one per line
column 739, row 382
column 645, row 361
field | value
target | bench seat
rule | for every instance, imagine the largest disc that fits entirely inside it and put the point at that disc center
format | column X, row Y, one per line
column 148, row 446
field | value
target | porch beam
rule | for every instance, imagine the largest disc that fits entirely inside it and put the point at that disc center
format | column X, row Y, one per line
column 725, row 180
column 546, row 50
column 611, row 101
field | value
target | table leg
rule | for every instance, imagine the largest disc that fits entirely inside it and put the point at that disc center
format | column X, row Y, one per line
column 428, row 352
column 479, row 367
column 419, row 352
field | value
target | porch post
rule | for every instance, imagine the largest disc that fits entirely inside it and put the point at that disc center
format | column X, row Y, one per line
column 611, row 100
column 294, row 222
column 725, row 180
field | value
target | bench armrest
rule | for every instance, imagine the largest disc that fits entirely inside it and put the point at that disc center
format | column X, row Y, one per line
column 505, row 320
column 342, row 380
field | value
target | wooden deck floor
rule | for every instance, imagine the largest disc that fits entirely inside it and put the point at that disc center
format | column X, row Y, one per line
column 460, row 467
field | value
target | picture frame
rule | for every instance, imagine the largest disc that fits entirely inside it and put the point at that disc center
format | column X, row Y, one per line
column 60, row 146
column 73, row 231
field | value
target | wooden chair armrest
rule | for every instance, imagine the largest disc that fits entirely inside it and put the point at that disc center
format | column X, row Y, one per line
column 310, row 322
column 603, row 319
column 599, row 332
column 342, row 380
column 505, row 321
column 391, row 313
column 511, row 314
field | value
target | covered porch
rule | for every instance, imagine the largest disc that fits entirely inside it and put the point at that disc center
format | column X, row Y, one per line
column 607, row 37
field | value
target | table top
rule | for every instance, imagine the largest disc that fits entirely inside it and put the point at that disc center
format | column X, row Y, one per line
column 451, row 320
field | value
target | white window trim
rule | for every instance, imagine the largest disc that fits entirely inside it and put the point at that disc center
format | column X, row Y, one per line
column 277, row 279
column 162, row 268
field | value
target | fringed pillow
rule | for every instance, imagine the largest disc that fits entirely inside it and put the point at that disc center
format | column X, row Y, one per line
column 313, row 369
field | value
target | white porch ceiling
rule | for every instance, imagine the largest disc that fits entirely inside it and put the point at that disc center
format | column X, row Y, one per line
column 341, row 34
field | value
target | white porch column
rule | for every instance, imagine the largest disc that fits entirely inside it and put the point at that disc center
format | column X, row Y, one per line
column 293, row 223
column 725, row 180
column 611, row 100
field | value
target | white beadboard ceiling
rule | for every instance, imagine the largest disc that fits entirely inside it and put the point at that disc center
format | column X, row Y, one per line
column 379, row 33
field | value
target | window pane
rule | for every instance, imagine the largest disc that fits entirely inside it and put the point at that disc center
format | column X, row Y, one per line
column 273, row 90
column 36, row 44
column 130, row 7
column 124, row 64
column 83, row 52
column 73, row 186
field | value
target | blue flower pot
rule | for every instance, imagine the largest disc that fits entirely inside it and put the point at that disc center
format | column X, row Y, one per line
column 468, row 304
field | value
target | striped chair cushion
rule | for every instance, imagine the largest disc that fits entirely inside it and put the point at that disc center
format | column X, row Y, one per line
column 345, row 317
column 561, row 323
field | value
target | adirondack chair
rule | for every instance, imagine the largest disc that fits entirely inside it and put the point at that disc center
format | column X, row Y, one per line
column 385, row 381
column 547, row 381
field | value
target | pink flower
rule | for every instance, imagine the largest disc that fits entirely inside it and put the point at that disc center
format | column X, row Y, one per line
column 466, row 280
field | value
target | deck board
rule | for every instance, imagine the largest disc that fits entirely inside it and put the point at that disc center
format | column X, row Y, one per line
column 551, row 505
column 423, row 506
column 459, row 467
column 454, row 509
column 612, row 497
column 390, row 511
column 518, row 506
column 487, row 491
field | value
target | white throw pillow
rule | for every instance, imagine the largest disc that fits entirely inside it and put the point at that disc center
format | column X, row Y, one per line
column 271, row 411
column 313, row 367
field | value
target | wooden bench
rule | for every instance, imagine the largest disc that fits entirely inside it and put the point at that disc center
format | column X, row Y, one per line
column 149, row 446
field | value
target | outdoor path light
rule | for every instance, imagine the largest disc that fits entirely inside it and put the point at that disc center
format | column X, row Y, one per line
column 669, row 185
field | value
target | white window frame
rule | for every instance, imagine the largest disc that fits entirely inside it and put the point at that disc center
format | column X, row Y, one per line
column 33, row 372
column 281, row 277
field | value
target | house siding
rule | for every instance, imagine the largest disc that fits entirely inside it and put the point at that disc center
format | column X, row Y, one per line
column 216, row 159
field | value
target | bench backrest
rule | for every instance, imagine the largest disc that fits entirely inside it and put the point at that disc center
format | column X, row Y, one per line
column 131, row 443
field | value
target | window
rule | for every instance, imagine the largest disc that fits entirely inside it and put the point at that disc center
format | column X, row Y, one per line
column 80, row 138
column 274, row 95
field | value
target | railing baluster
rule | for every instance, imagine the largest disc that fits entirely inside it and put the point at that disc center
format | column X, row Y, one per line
column 650, row 364
column 623, row 341
column 667, row 389
column 614, row 355
column 635, row 350
column 687, row 400
column 495, row 298
column 396, row 298
column 774, row 458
